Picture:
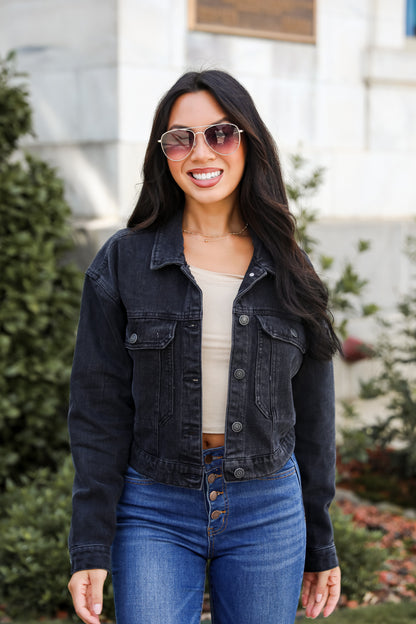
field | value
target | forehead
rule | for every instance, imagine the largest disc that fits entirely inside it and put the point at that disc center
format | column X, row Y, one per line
column 195, row 109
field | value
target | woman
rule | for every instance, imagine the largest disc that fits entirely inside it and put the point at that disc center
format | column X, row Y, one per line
column 202, row 386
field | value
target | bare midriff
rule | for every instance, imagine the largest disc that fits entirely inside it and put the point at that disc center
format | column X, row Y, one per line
column 212, row 440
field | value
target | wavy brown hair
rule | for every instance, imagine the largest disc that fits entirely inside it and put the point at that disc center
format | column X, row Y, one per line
column 262, row 201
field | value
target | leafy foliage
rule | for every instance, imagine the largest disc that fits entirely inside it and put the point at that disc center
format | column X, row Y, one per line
column 359, row 559
column 345, row 290
column 15, row 112
column 396, row 425
column 40, row 297
column 34, row 564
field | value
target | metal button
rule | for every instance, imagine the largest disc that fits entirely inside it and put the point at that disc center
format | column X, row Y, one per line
column 215, row 514
column 208, row 459
column 244, row 319
column 239, row 373
column 211, row 478
column 133, row 338
column 213, row 496
column 251, row 274
column 236, row 426
column 239, row 473
column 293, row 332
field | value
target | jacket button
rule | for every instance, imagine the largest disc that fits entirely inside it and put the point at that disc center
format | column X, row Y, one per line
column 239, row 373
column 133, row 338
column 293, row 332
column 236, row 426
column 244, row 319
column 239, row 473
column 215, row 514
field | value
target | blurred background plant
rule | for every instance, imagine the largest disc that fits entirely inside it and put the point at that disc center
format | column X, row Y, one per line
column 39, row 291
column 387, row 447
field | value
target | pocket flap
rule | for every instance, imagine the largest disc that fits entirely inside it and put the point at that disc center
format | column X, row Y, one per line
column 284, row 329
column 149, row 333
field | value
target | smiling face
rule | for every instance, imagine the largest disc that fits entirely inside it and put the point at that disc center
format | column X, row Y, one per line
column 205, row 176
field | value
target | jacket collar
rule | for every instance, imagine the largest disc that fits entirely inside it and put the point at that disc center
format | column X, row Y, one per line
column 168, row 247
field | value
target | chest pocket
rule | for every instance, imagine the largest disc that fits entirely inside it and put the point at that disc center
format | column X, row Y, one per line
column 281, row 344
column 150, row 344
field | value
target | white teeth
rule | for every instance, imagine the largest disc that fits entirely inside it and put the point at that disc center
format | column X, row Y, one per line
column 206, row 176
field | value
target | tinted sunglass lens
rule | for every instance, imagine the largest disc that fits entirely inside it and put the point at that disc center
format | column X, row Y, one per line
column 223, row 138
column 177, row 144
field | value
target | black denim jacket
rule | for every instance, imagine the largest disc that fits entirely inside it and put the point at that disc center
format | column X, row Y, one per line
column 136, row 389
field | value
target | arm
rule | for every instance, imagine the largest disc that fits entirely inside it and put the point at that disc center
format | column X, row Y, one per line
column 313, row 391
column 100, row 424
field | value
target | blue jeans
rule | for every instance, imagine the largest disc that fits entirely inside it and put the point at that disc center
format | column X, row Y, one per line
column 251, row 532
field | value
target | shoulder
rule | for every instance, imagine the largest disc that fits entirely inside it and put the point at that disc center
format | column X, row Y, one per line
column 119, row 247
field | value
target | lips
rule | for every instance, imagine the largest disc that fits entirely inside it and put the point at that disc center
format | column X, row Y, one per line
column 205, row 177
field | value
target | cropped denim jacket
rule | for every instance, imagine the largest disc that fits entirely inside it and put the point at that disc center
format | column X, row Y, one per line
column 136, row 389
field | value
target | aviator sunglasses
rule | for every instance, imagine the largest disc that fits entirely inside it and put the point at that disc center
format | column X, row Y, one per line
column 222, row 138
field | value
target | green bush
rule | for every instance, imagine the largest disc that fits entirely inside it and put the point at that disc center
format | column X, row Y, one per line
column 359, row 560
column 34, row 564
column 40, row 297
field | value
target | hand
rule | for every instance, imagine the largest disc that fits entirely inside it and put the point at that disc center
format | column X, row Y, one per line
column 86, row 589
column 321, row 590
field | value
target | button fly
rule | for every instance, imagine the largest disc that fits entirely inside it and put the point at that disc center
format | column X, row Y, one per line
column 213, row 496
column 211, row 478
column 208, row 459
column 215, row 514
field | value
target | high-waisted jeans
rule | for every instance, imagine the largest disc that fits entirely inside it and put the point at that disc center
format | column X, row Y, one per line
column 252, row 533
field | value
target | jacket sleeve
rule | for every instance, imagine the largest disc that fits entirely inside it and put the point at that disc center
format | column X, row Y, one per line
column 100, row 423
column 313, row 390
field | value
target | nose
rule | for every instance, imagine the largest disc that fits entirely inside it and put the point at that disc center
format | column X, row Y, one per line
column 201, row 150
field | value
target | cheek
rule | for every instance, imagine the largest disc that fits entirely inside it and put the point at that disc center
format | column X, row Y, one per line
column 175, row 170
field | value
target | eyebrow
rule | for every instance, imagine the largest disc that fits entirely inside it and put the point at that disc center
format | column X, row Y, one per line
column 214, row 123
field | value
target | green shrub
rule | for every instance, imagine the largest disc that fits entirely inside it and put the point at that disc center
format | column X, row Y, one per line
column 359, row 560
column 34, row 563
column 39, row 293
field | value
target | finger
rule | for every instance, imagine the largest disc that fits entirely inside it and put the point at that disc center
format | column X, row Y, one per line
column 95, row 590
column 333, row 597
column 318, row 595
column 86, row 591
column 306, row 587
column 79, row 598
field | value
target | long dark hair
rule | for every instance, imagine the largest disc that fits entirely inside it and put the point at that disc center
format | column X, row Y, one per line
column 262, row 201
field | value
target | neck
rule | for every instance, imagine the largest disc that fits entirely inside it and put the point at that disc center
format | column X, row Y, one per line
column 212, row 221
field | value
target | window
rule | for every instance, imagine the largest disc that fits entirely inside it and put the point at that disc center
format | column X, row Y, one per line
column 292, row 20
column 411, row 18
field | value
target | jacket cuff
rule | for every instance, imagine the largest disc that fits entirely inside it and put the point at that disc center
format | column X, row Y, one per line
column 90, row 558
column 320, row 559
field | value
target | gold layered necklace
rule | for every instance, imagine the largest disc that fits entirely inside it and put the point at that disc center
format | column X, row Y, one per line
column 212, row 238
